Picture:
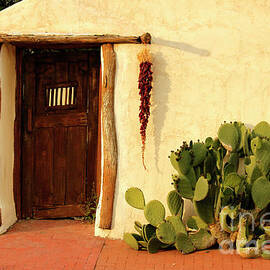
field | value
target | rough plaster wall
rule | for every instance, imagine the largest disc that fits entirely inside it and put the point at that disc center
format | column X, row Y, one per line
column 211, row 63
column 8, row 84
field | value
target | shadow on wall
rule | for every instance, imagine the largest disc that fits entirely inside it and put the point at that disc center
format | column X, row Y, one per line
column 161, row 90
column 159, row 101
column 180, row 46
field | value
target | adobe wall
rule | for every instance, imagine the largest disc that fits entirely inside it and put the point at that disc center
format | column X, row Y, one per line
column 7, row 116
column 210, row 61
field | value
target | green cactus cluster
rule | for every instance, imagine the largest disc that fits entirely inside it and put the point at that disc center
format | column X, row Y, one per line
column 228, row 181
column 164, row 233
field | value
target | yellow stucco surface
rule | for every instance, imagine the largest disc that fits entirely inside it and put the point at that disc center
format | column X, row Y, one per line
column 210, row 61
column 7, row 84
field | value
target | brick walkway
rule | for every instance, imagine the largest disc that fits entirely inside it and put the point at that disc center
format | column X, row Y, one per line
column 67, row 244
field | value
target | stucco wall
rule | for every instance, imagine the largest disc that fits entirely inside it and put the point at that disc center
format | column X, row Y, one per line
column 8, row 84
column 211, row 63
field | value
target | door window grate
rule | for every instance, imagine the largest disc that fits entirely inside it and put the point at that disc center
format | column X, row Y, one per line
column 61, row 97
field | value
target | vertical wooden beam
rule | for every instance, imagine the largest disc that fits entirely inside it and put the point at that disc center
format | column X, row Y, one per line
column 17, row 134
column 109, row 142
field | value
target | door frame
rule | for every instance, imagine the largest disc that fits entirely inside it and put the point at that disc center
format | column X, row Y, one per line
column 107, row 149
column 18, row 142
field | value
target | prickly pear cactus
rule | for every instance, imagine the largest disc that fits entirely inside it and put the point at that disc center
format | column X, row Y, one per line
column 228, row 181
column 135, row 198
column 229, row 137
column 174, row 202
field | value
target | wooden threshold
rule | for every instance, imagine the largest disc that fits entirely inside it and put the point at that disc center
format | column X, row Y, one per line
column 43, row 39
column 59, row 211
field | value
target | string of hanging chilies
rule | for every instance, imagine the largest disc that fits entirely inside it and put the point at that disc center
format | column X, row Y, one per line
column 145, row 87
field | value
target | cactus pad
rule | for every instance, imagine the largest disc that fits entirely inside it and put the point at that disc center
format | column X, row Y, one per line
column 183, row 243
column 199, row 152
column 209, row 142
column 253, row 171
column 184, row 188
column 201, row 189
column 229, row 219
column 202, row 239
column 166, row 233
column 135, row 198
column 181, row 162
column 261, row 150
column 177, row 223
column 205, row 209
column 195, row 223
column 131, row 241
column 262, row 129
column 154, row 212
column 153, row 245
column 261, row 192
column 149, row 232
column 229, row 137
column 232, row 180
column 174, row 202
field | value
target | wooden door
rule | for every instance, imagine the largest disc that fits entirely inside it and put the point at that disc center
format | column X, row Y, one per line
column 60, row 133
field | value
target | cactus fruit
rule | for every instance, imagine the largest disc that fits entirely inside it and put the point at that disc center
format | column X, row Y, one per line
column 174, row 202
column 184, row 244
column 262, row 129
column 229, row 137
column 166, row 233
column 202, row 239
column 154, row 212
column 131, row 241
column 229, row 218
column 261, row 192
column 199, row 152
column 135, row 198
column 153, row 245
column 177, row 224
column 195, row 223
column 201, row 189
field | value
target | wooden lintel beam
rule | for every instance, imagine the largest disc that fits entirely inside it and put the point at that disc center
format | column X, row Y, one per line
column 17, row 39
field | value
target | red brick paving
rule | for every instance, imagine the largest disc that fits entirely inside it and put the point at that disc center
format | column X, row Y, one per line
column 68, row 244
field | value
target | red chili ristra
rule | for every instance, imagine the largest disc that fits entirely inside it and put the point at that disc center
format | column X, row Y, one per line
column 145, row 86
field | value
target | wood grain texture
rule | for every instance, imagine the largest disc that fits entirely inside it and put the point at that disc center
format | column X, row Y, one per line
column 68, row 39
column 59, row 211
column 109, row 144
column 62, row 141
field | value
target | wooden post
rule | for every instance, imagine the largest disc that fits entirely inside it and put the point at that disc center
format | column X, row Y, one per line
column 109, row 142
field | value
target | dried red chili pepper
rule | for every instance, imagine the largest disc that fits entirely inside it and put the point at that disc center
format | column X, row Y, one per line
column 145, row 86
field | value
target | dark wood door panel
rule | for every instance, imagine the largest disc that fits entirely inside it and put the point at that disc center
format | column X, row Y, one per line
column 76, row 161
column 43, row 168
column 60, row 123
column 60, row 164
